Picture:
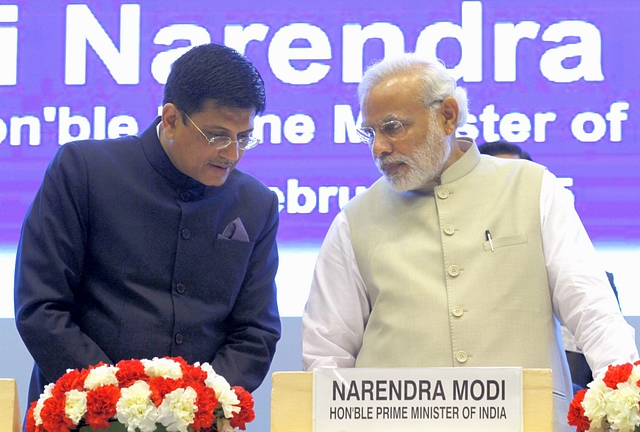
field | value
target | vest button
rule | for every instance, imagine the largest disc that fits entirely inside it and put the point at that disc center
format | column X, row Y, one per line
column 461, row 356
column 185, row 196
column 180, row 288
column 186, row 234
column 457, row 311
column 179, row 339
column 443, row 194
column 448, row 229
column 453, row 270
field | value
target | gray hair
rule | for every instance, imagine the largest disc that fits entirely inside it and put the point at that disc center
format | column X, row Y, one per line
column 437, row 83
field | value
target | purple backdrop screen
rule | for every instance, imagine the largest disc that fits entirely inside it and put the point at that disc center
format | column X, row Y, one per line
column 561, row 79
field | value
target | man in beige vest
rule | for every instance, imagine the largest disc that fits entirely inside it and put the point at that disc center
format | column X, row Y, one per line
column 453, row 258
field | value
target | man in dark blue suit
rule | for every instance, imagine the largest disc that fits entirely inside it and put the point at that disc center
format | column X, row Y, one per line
column 155, row 245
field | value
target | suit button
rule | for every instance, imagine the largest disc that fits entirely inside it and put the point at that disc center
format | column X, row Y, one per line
column 180, row 288
column 453, row 270
column 448, row 229
column 179, row 339
column 457, row 311
column 186, row 233
column 461, row 356
column 443, row 194
column 185, row 196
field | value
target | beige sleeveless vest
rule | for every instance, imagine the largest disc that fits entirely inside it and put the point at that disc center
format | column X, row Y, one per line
column 439, row 295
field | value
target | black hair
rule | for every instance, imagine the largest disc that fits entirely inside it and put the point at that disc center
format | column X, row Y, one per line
column 502, row 147
column 214, row 72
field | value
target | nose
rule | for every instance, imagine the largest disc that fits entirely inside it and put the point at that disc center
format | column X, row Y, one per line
column 231, row 152
column 381, row 145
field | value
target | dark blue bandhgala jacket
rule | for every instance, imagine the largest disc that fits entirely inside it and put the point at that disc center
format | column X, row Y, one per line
column 120, row 258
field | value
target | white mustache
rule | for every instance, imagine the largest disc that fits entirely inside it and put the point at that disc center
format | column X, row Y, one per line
column 222, row 161
column 384, row 161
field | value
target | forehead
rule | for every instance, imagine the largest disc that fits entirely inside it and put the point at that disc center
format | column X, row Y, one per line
column 395, row 96
column 215, row 115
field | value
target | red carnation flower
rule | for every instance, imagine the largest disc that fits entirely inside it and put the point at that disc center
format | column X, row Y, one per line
column 161, row 386
column 576, row 415
column 53, row 416
column 72, row 380
column 178, row 360
column 130, row 371
column 206, row 402
column 101, row 406
column 193, row 374
column 617, row 374
column 30, row 423
column 246, row 414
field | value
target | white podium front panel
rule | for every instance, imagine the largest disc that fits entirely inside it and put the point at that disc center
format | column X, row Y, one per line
column 418, row 399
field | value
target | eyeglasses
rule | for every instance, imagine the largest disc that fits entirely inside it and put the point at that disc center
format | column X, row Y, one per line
column 392, row 129
column 219, row 142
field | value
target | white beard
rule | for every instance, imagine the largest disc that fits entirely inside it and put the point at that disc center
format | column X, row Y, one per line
column 424, row 166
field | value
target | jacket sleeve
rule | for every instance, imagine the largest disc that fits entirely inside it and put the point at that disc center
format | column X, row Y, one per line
column 49, row 266
column 253, row 327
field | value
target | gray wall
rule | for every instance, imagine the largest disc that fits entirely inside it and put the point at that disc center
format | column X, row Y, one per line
column 16, row 363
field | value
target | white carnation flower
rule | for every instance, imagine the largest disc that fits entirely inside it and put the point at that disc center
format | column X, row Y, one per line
column 178, row 409
column 216, row 381
column 101, row 376
column 622, row 407
column 75, row 405
column 226, row 396
column 213, row 380
column 46, row 394
column 162, row 367
column 135, row 408
column 211, row 374
column 594, row 402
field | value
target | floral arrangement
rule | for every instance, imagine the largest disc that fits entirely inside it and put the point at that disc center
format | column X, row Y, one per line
column 611, row 402
column 141, row 395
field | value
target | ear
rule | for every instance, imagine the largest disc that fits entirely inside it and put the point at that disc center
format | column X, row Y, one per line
column 171, row 116
column 449, row 111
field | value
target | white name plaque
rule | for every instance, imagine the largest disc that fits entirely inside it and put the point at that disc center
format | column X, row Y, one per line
column 417, row 400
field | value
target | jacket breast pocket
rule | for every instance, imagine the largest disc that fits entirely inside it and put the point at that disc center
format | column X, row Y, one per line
column 501, row 242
